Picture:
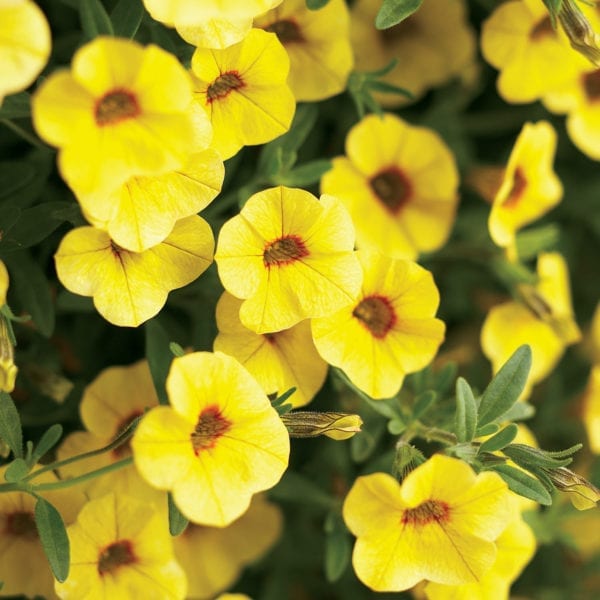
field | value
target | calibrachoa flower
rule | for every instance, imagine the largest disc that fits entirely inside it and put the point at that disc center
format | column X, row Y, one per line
column 24, row 567
column 320, row 55
column 399, row 183
column 388, row 331
column 218, row 443
column 213, row 557
column 121, row 548
column 24, row 45
column 128, row 287
column 290, row 256
column 437, row 38
column 439, row 525
column 244, row 92
column 142, row 212
column 529, row 186
column 8, row 369
column 533, row 57
column 4, row 281
column 278, row 361
column 591, row 409
column 543, row 319
column 110, row 119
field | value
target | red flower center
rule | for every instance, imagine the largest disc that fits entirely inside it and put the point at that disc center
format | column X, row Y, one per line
column 377, row 314
column 392, row 188
column 286, row 30
column 284, row 251
column 115, row 106
column 518, row 189
column 118, row 554
column 542, row 29
column 591, row 85
column 430, row 511
column 223, row 85
column 210, row 427
column 21, row 524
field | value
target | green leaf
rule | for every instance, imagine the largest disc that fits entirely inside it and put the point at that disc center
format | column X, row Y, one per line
column 393, row 12
column 443, row 378
column 423, row 402
column 518, row 412
column 16, row 470
column 531, row 242
column 500, row 440
column 306, row 174
column 505, row 388
column 316, row 4
column 48, row 440
column 486, row 430
column 526, row 456
column 523, row 484
column 297, row 488
column 13, row 177
column 126, row 17
column 465, row 419
column 396, row 426
column 16, row 106
column 53, row 536
column 338, row 547
column 177, row 522
column 94, row 19
column 362, row 446
column 10, row 425
column 159, row 357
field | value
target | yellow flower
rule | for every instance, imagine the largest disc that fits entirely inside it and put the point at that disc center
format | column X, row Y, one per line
column 109, row 404
column 24, row 45
column 129, row 288
column 399, row 184
column 244, row 92
column 213, row 557
column 543, row 319
column 121, row 548
column 4, row 281
column 278, row 361
column 388, row 331
column 533, row 58
column 439, row 525
column 111, row 120
column 591, row 409
column 142, row 212
column 218, row 443
column 24, row 567
column 432, row 46
column 334, row 425
column 8, row 369
column 320, row 55
column 582, row 493
column 290, row 257
column 529, row 187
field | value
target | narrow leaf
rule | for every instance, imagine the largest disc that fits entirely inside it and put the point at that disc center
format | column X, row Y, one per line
column 126, row 17
column 338, row 548
column 177, row 522
column 393, row 12
column 295, row 487
column 48, row 440
column 159, row 357
column 16, row 106
column 523, row 484
column 53, row 536
column 465, row 419
column 526, row 456
column 316, row 4
column 501, row 439
column 423, row 402
column 94, row 19
column 10, row 425
column 16, row 470
column 486, row 430
column 306, row 174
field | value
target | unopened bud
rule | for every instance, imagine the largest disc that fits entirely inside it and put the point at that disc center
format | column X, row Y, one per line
column 337, row 426
column 8, row 370
column 583, row 494
column 579, row 31
column 406, row 460
column 3, row 281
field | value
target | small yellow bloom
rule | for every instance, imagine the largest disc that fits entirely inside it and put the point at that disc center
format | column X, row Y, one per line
column 399, row 184
column 335, row 425
column 582, row 493
column 111, row 120
column 320, row 55
column 439, row 525
column 24, row 45
column 121, row 548
column 213, row 557
column 388, row 331
column 290, row 257
column 529, row 187
column 8, row 369
column 278, row 361
column 591, row 409
column 4, row 281
column 244, row 92
column 218, row 443
column 129, row 288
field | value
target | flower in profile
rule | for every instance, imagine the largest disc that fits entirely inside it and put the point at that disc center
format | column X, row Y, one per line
column 128, row 287
column 543, row 318
column 24, row 46
column 335, row 425
column 320, row 55
column 388, row 331
column 278, row 361
column 439, row 525
column 8, row 369
column 437, row 37
column 591, row 409
column 290, row 257
column 110, row 119
column 399, row 184
column 244, row 92
column 24, row 567
column 143, row 211
column 213, row 557
column 533, row 57
column 218, row 443
column 121, row 547
column 582, row 493
column 529, row 186
column 4, row 281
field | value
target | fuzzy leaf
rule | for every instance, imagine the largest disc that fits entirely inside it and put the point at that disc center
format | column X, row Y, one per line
column 523, row 484
column 177, row 522
column 526, row 456
column 393, row 12
column 53, row 536
column 159, row 357
column 500, row 440
column 94, row 19
column 126, row 17
column 338, row 547
column 465, row 420
column 10, row 425
column 48, row 440
column 16, row 470
column 316, row 4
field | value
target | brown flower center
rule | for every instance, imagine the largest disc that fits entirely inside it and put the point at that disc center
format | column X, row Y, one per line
column 223, row 85
column 376, row 314
column 542, row 29
column 391, row 187
column 518, row 189
column 429, row 511
column 284, row 251
column 210, row 427
column 116, row 106
column 21, row 524
column 118, row 554
column 591, row 85
column 286, row 30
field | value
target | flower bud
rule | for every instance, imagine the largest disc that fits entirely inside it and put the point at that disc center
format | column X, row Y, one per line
column 584, row 494
column 3, row 281
column 579, row 31
column 8, row 370
column 337, row 426
column 406, row 460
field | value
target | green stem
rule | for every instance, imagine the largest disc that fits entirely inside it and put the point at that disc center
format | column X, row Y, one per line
column 429, row 434
column 23, row 134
